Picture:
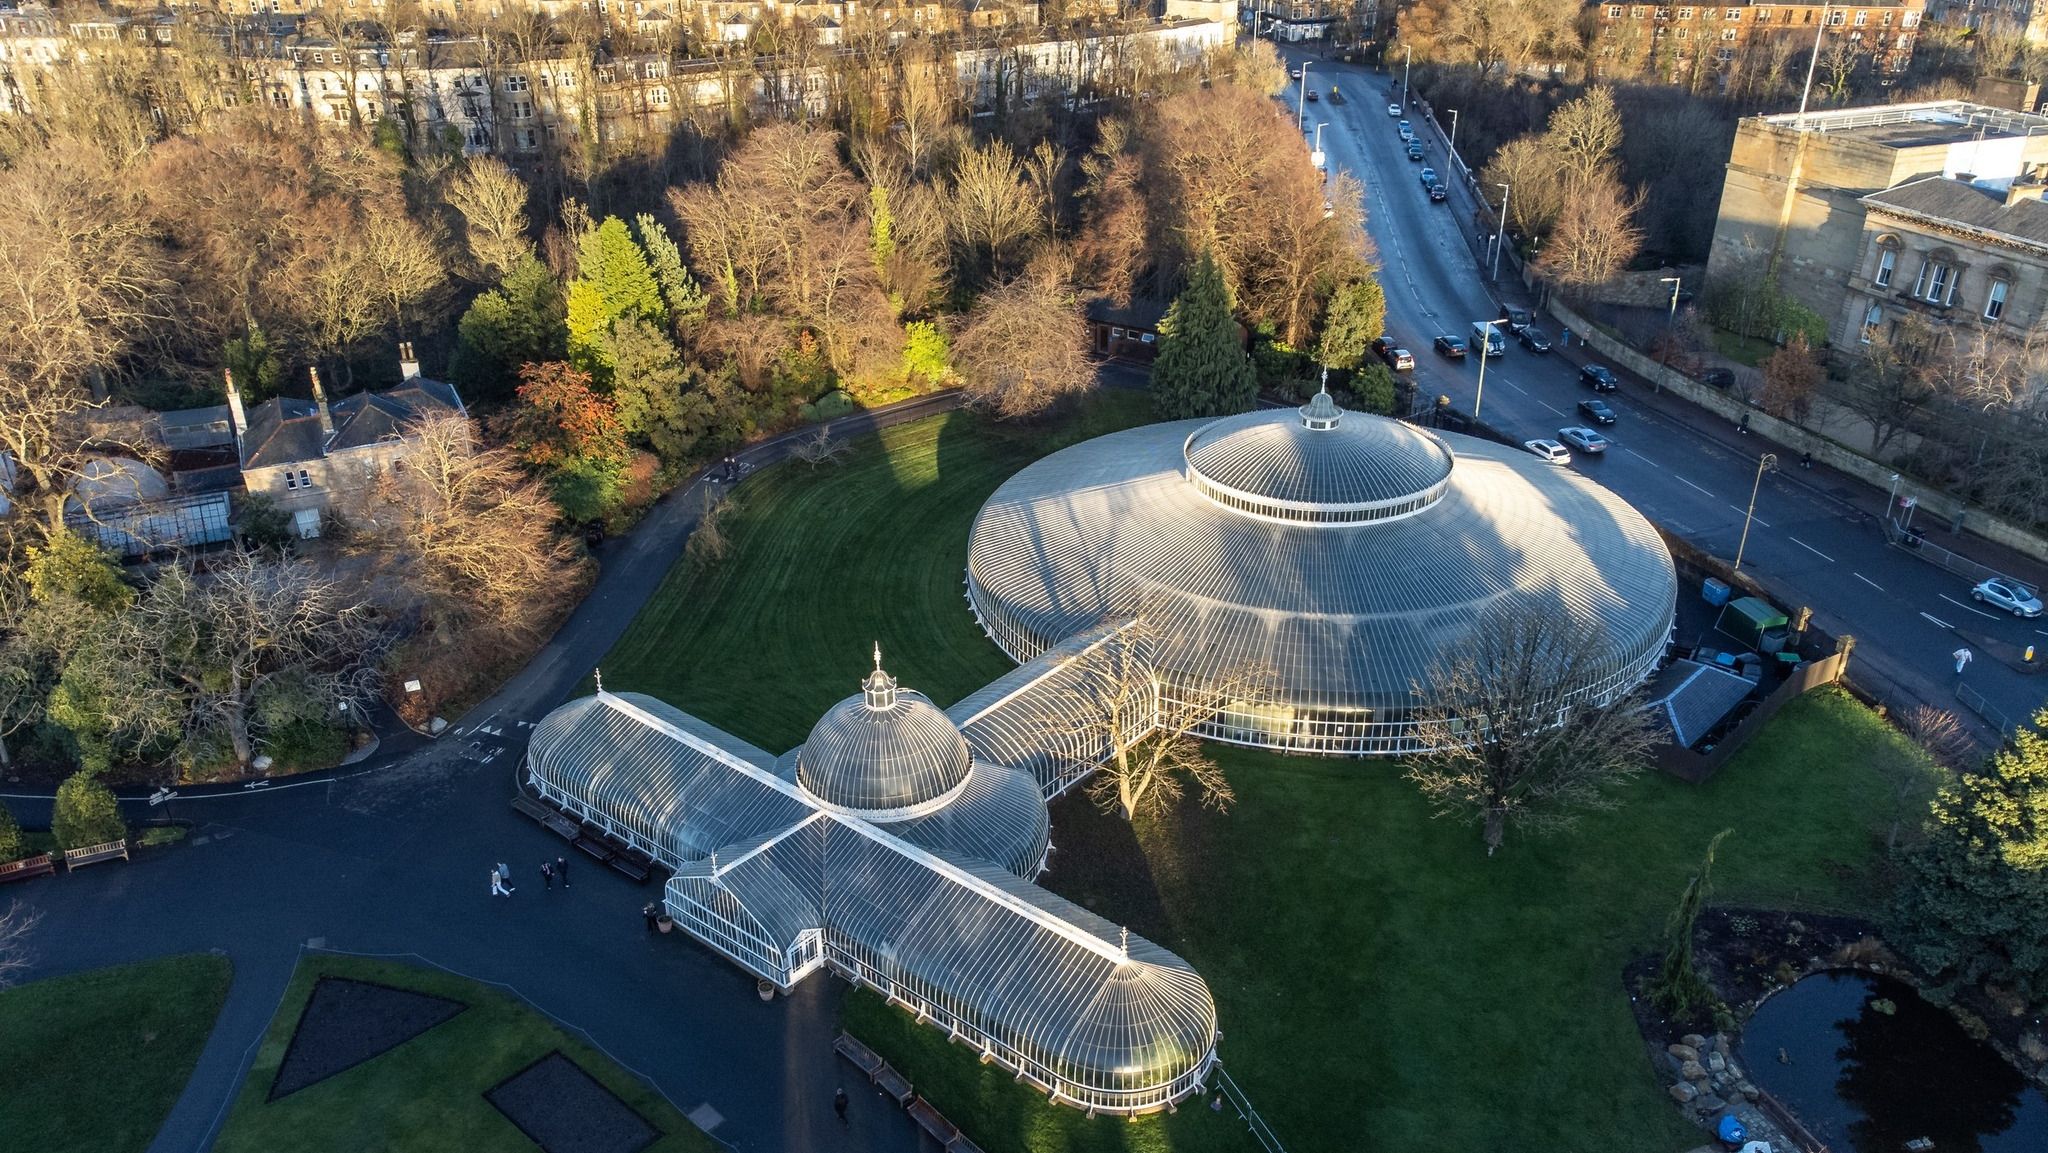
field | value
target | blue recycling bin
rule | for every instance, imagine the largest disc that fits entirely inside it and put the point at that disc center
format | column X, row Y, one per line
column 1715, row 591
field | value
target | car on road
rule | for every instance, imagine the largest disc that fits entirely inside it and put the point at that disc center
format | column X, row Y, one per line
column 1393, row 109
column 1294, row 73
column 1312, row 97
column 1534, row 339
column 1597, row 411
column 1415, row 150
column 1404, row 129
column 1428, row 176
column 1598, row 378
column 1582, row 438
column 1397, row 358
column 2010, row 595
column 1549, row 450
column 1450, row 346
column 1437, row 192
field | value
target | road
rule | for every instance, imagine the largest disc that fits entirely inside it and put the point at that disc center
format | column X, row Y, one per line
column 1815, row 538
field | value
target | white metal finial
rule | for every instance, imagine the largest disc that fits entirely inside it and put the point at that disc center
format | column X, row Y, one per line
column 599, row 674
column 1125, row 934
column 878, row 656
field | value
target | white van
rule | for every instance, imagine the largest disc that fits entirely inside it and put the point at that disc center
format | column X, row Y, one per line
column 1488, row 337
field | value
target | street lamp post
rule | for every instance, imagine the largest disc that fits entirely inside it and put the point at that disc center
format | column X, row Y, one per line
column 1764, row 464
column 1480, row 396
column 1810, row 62
column 1320, row 125
column 1673, row 282
column 1500, row 238
column 1408, row 57
column 1301, row 98
column 1454, row 132
column 1670, row 322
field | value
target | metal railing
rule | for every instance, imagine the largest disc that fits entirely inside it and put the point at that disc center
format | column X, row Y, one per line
column 1260, row 1131
column 1991, row 714
column 1948, row 560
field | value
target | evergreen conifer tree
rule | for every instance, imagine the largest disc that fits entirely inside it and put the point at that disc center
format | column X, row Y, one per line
column 1202, row 368
column 1974, row 906
column 85, row 813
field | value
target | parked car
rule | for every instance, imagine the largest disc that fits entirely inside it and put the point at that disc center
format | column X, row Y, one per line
column 1451, row 347
column 1582, row 438
column 1428, row 175
column 1399, row 359
column 1597, row 411
column 1718, row 378
column 1437, row 192
column 1415, row 150
column 1393, row 109
column 1534, row 339
column 1405, row 129
column 1549, row 450
column 2010, row 595
column 1596, row 377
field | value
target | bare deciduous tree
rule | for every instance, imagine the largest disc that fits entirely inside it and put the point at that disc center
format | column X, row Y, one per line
column 1596, row 235
column 990, row 207
column 470, row 531
column 15, row 926
column 821, row 447
column 1110, row 704
column 1791, row 379
column 492, row 201
column 1024, row 347
column 1510, row 733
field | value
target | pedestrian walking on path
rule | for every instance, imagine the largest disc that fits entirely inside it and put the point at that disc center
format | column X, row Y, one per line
column 562, row 870
column 547, row 875
column 650, row 911
column 1564, row 338
column 498, row 886
column 1963, row 657
column 839, row 1103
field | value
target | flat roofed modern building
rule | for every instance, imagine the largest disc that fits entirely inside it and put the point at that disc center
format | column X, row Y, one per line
column 1343, row 552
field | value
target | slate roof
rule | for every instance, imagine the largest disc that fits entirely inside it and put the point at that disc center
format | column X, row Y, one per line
column 286, row 430
column 1693, row 697
column 1943, row 200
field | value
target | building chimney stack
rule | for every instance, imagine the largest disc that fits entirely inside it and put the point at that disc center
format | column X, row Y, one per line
column 326, row 417
column 408, row 365
column 236, row 416
column 2026, row 188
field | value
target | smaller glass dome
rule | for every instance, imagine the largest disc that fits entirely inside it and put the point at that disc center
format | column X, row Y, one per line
column 1323, row 466
column 885, row 754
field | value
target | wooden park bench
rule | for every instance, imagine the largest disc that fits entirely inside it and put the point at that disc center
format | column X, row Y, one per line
column 595, row 847
column 75, row 859
column 932, row 1121
column 634, row 864
column 863, row 1058
column 550, row 818
column 960, row 1144
column 894, row 1084
column 40, row 865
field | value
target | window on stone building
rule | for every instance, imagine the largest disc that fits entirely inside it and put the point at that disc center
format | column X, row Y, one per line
column 658, row 96
column 1994, row 299
column 1685, row 13
column 1835, row 18
column 1872, row 318
column 1614, row 11
column 1936, row 283
column 1887, row 263
column 1732, row 14
column 515, row 83
column 1727, row 34
column 1862, row 19
column 1763, row 16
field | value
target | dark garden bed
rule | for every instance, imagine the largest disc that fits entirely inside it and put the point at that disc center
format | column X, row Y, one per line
column 346, row 1023
column 562, row 1109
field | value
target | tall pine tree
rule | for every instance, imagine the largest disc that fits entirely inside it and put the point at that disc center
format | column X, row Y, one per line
column 1202, row 368
column 1974, row 906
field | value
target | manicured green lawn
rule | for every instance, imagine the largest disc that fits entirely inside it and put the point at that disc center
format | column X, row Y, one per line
column 94, row 1061
column 1742, row 349
column 427, row 1094
column 828, row 561
column 1381, row 984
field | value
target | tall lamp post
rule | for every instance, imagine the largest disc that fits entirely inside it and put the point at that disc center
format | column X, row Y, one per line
column 1301, row 98
column 1407, row 58
column 1670, row 322
column 1479, row 396
column 1454, row 131
column 1320, row 125
column 1812, row 60
column 1673, row 282
column 1500, row 238
column 1764, row 464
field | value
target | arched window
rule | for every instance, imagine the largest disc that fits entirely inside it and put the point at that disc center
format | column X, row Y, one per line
column 1887, row 260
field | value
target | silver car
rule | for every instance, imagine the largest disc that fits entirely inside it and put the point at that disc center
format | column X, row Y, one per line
column 1582, row 438
column 2010, row 595
column 1549, row 450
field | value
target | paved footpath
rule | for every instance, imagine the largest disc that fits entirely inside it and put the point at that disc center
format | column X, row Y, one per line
column 393, row 856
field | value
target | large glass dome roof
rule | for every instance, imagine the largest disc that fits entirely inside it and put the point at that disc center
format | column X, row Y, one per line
column 1319, row 468
column 885, row 753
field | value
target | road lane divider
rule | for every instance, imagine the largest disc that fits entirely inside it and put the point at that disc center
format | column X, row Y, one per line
column 1809, row 548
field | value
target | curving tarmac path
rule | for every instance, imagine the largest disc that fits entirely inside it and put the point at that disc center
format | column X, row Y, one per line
column 393, row 856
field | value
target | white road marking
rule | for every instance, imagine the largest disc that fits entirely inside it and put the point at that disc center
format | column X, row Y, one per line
column 1868, row 581
column 1937, row 620
column 1639, row 456
column 1757, row 519
column 1682, row 480
column 1972, row 608
column 1809, row 548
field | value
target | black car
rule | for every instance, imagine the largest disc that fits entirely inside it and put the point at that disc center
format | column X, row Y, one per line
column 1597, row 411
column 1437, row 192
column 1312, row 97
column 1415, row 150
column 1534, row 339
column 1718, row 378
column 1598, row 378
column 1450, row 346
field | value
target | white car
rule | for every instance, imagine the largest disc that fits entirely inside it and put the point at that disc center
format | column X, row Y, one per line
column 2010, row 595
column 1582, row 438
column 1393, row 109
column 1549, row 450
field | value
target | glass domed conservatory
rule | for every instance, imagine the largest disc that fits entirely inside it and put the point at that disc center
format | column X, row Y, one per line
column 1341, row 551
column 895, row 846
